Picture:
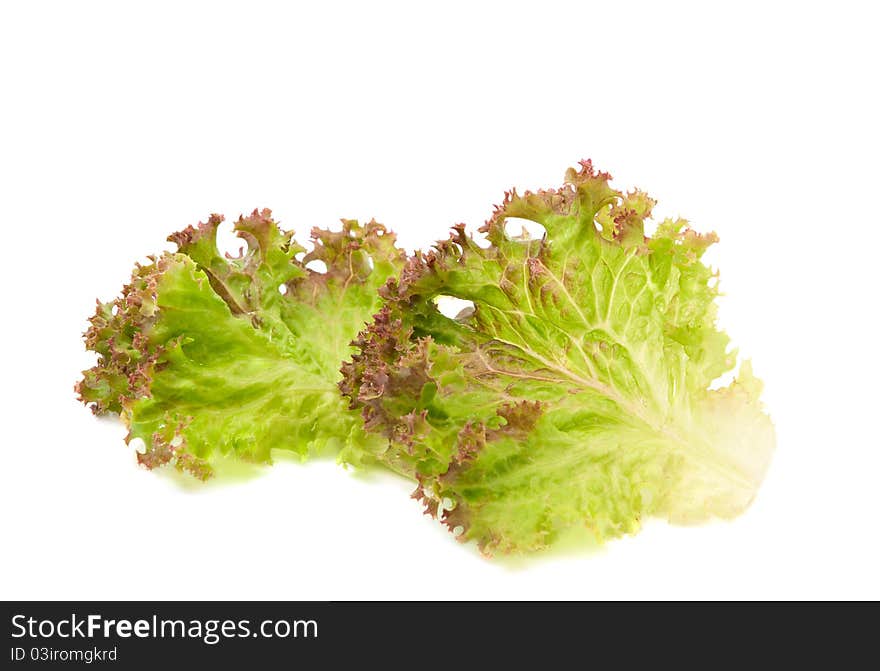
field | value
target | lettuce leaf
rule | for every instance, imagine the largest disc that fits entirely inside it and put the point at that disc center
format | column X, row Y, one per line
column 576, row 391
column 204, row 356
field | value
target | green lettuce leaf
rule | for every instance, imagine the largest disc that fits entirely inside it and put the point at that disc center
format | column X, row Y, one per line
column 206, row 356
column 576, row 391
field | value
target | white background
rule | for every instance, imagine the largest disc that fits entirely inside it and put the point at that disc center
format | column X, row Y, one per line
column 120, row 123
